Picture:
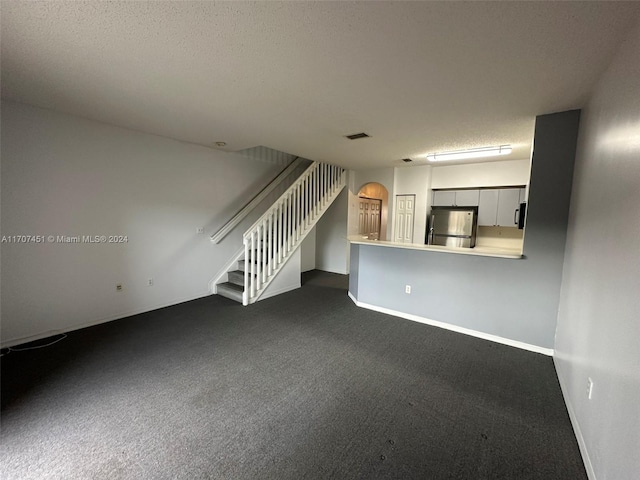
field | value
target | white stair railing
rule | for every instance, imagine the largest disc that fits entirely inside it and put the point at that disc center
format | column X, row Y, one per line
column 276, row 234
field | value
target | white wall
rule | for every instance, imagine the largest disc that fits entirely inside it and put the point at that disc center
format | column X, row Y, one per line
column 352, row 207
column 308, row 252
column 383, row 176
column 416, row 181
column 488, row 174
column 63, row 175
column 598, row 332
column 332, row 254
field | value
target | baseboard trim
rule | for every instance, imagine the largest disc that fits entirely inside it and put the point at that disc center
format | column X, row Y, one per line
column 98, row 321
column 586, row 459
column 455, row 328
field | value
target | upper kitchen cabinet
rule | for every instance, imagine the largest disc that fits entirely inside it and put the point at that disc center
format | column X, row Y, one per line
column 488, row 208
column 455, row 198
column 444, row 198
column 500, row 207
column 508, row 206
column 467, row 198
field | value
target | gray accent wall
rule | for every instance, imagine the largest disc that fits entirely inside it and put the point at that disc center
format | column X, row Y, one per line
column 516, row 299
column 354, row 270
column 598, row 334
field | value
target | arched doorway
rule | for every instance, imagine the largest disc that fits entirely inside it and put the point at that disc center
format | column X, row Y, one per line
column 373, row 203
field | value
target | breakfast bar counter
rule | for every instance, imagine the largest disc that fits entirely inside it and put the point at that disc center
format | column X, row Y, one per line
column 483, row 251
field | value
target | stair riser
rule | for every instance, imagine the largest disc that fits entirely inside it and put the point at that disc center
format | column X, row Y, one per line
column 236, row 278
column 230, row 293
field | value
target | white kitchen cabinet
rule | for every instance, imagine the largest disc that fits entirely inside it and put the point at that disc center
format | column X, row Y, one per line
column 497, row 207
column 488, row 208
column 467, row 198
column 508, row 203
column 455, row 198
column 444, row 198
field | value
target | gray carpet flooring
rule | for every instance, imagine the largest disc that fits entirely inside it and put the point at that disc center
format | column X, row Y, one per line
column 302, row 385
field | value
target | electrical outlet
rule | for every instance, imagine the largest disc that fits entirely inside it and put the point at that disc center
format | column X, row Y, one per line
column 150, row 282
column 119, row 287
column 200, row 230
column 589, row 388
column 407, row 289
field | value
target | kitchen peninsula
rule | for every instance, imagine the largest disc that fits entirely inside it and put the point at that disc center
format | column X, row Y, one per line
column 510, row 297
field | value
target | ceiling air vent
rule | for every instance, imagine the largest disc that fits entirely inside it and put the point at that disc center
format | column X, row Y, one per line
column 356, row 136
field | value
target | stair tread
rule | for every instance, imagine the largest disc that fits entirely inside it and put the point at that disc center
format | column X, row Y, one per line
column 231, row 286
column 239, row 272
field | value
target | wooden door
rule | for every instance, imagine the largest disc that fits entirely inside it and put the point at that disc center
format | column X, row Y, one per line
column 369, row 217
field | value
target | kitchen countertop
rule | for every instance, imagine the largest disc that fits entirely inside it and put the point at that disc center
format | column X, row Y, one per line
column 477, row 250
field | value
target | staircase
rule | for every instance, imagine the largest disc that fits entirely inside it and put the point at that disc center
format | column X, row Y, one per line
column 271, row 240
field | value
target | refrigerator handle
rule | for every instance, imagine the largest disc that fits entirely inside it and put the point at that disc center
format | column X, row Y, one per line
column 515, row 216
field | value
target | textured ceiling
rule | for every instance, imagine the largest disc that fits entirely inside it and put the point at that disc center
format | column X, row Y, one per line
column 297, row 76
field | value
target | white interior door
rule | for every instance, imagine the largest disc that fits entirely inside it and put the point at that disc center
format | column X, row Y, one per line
column 405, row 216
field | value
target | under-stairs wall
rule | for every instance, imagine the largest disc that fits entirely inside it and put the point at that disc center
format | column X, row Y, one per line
column 332, row 246
column 288, row 278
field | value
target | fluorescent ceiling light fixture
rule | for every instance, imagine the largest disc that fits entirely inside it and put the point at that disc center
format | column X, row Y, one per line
column 471, row 153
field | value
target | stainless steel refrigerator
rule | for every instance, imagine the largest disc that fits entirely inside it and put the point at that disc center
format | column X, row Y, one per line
column 453, row 226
